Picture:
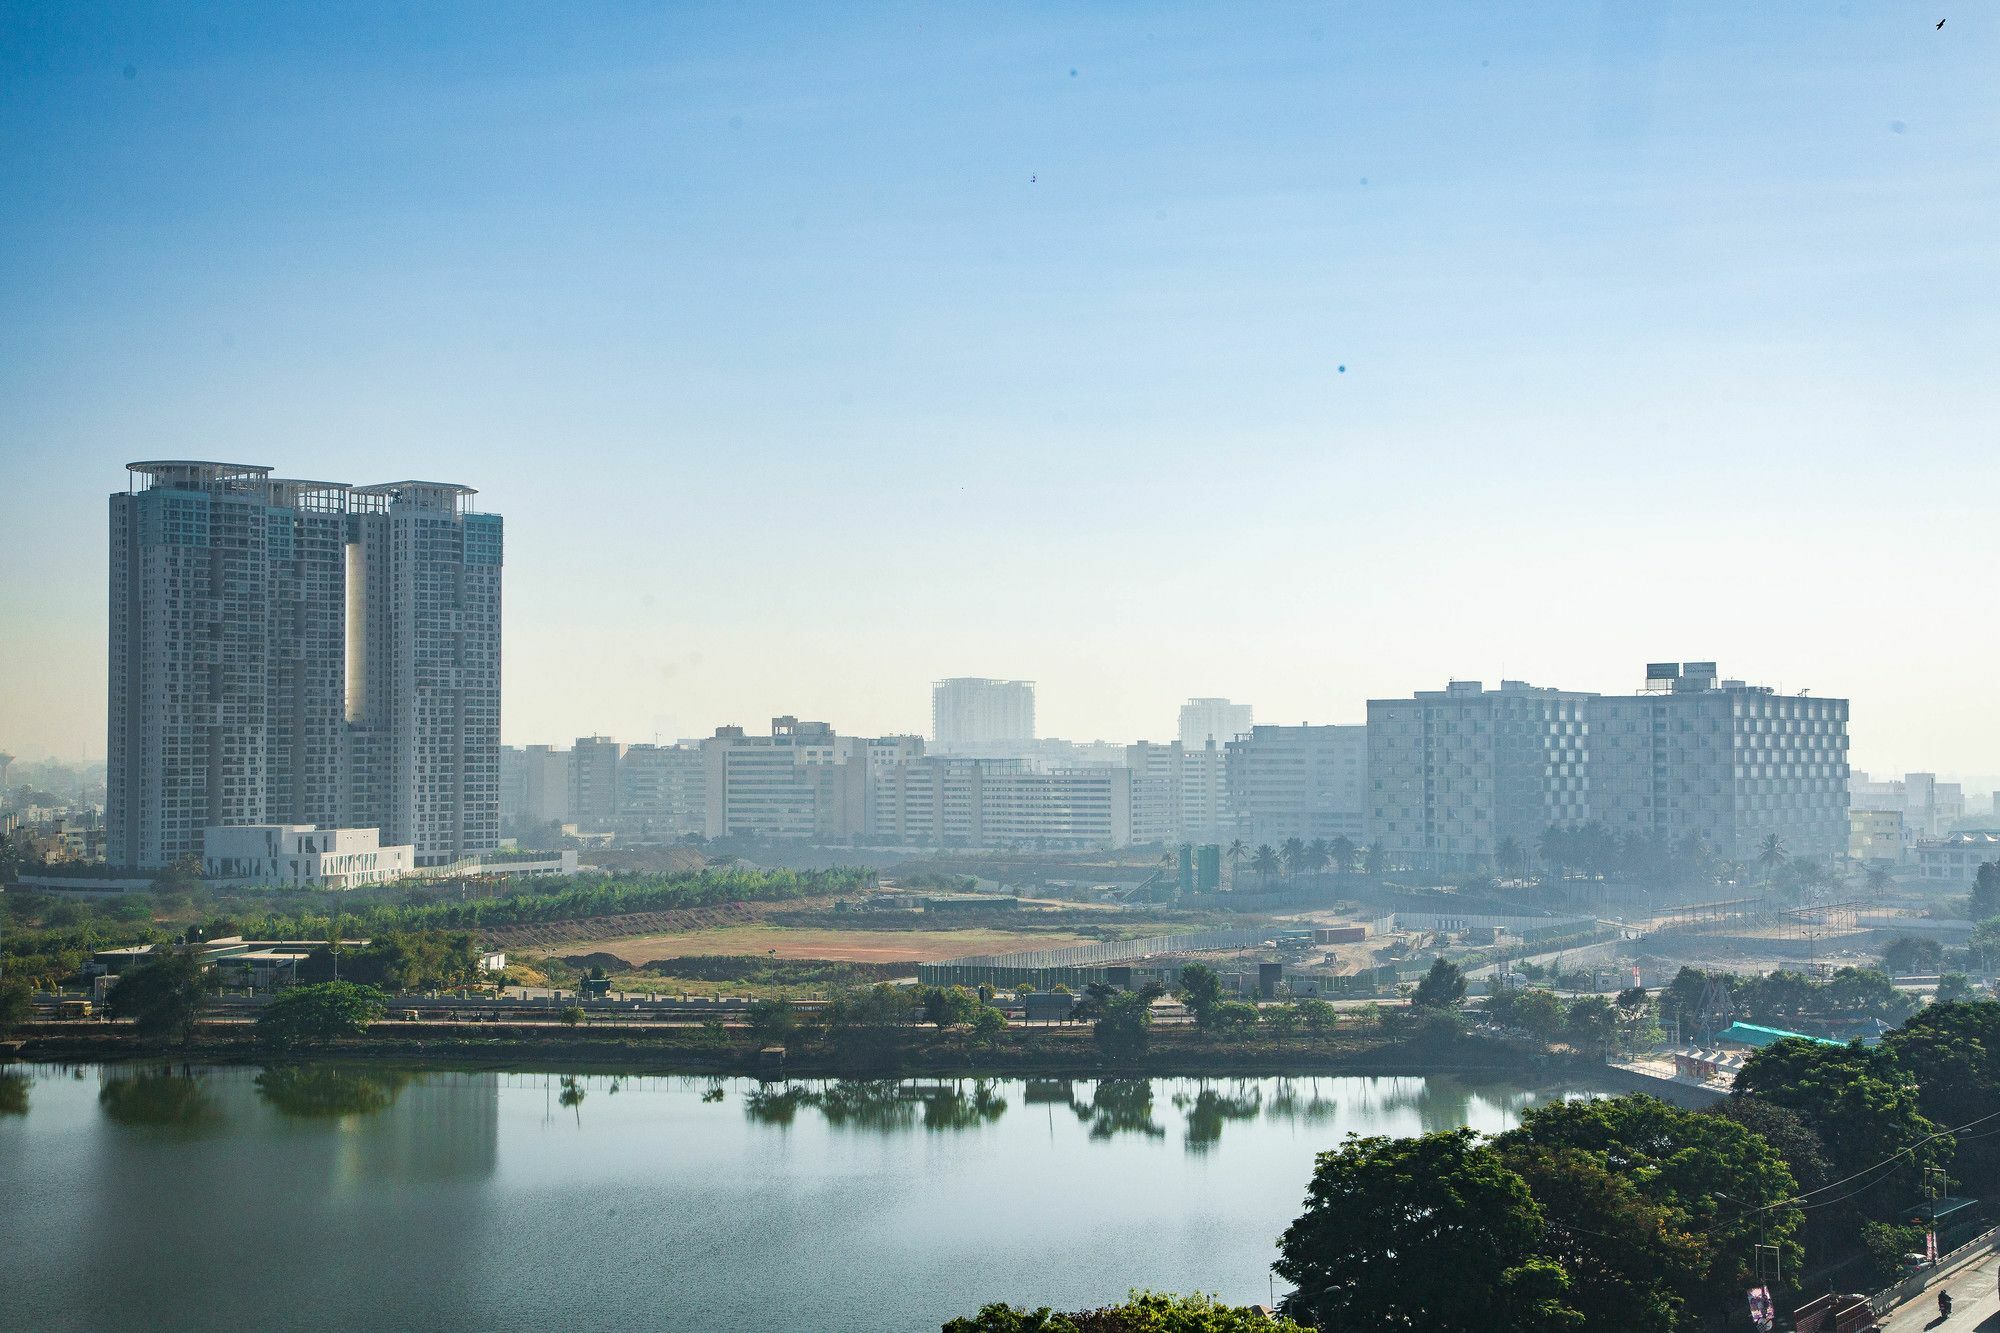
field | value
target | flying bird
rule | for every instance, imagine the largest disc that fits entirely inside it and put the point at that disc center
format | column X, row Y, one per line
column 1940, row 23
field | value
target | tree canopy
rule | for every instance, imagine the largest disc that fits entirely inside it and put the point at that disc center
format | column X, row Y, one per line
column 318, row 1015
column 163, row 998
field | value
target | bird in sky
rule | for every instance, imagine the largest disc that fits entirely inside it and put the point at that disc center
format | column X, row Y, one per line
column 1940, row 24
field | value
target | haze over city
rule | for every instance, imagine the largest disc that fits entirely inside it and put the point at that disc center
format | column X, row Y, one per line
column 1295, row 354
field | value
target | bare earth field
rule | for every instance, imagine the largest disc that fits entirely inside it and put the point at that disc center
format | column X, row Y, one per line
column 856, row 946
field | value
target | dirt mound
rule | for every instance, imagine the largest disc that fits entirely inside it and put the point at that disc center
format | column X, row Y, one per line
column 610, row 962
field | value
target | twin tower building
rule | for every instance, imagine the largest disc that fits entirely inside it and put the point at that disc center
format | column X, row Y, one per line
column 301, row 652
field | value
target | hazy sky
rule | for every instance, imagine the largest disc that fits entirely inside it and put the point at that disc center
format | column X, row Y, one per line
column 813, row 352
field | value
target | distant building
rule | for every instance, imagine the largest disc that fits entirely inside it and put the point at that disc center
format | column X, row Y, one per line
column 1728, row 763
column 1454, row 774
column 800, row 782
column 662, row 792
column 1305, row 782
column 1929, row 807
column 1953, row 861
column 1179, row 794
column 593, row 781
column 534, row 787
column 300, row 856
column 1875, row 836
column 972, row 711
column 1217, row 720
column 952, row 801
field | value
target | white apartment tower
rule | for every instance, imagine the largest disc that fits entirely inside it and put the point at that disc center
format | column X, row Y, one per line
column 423, row 688
column 225, row 638
column 1218, row 720
column 972, row 711
column 299, row 652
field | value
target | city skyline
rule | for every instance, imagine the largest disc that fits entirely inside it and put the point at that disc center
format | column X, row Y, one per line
column 1144, row 393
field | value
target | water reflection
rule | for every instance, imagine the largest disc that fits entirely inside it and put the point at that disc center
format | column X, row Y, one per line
column 1120, row 1106
column 1109, row 1108
column 1209, row 1109
column 880, row 1105
column 161, row 1099
column 311, row 1092
column 14, row 1094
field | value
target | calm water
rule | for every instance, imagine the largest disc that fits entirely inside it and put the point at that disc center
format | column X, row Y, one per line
column 339, row 1198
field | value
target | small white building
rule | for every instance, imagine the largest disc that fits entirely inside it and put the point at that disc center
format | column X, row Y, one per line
column 300, row 855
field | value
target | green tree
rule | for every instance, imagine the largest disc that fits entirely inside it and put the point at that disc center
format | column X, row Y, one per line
column 1265, row 862
column 1143, row 1312
column 1985, row 902
column 1771, row 855
column 1293, row 855
column 319, row 1015
column 1237, row 851
column 772, row 1020
column 1909, row 956
column 1510, row 858
column 163, row 998
column 1124, row 1022
column 1443, row 987
column 16, row 1004
column 948, row 1006
column 1952, row 1050
column 1200, row 990
column 1590, row 1024
column 1863, row 1105
column 987, row 1025
column 571, row 1015
column 1315, row 1015
column 1954, row 988
column 1433, row 1233
column 1715, row 1180
column 1345, row 855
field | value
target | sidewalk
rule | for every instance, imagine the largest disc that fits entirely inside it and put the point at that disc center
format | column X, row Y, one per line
column 1976, row 1309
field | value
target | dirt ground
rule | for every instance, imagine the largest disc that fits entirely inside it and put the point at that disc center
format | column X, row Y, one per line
column 859, row 946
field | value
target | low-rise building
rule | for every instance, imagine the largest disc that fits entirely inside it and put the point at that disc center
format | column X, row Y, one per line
column 1875, row 836
column 1953, row 861
column 301, row 856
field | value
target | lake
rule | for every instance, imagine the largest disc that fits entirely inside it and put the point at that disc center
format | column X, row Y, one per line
column 338, row 1197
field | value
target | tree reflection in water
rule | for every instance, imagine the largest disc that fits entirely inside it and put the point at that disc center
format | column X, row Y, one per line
column 882, row 1105
column 1120, row 1106
column 1210, row 1108
column 314, row 1092
column 14, row 1094
column 160, row 1098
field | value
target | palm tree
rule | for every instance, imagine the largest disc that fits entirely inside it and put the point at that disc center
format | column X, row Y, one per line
column 1372, row 859
column 1317, row 855
column 1555, row 847
column 1509, row 857
column 1265, row 862
column 1237, row 851
column 1294, row 855
column 1771, row 855
column 1344, row 852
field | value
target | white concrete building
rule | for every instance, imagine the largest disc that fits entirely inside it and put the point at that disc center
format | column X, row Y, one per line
column 802, row 781
column 300, row 856
column 974, row 711
column 1929, row 807
column 1304, row 782
column 951, row 801
column 1217, row 720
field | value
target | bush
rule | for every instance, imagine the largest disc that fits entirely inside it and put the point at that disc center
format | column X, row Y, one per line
column 571, row 1015
column 319, row 1015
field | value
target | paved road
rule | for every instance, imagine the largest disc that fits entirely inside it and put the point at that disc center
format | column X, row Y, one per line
column 1975, row 1308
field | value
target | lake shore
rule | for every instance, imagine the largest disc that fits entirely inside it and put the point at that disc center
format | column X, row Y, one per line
column 1058, row 1052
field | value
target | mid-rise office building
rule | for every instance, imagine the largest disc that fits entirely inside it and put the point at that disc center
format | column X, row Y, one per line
column 952, row 801
column 1179, row 794
column 1454, row 774
column 1217, row 720
column 973, row 711
column 300, row 652
column 534, row 788
column 1730, row 764
column 662, row 792
column 1305, row 782
column 800, row 782
column 593, row 781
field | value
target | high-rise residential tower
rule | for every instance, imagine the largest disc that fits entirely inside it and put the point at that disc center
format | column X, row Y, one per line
column 1218, row 720
column 423, row 688
column 299, row 652
column 226, row 642
column 969, row 711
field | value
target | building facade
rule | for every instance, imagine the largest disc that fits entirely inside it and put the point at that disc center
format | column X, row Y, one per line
column 534, row 787
column 1305, row 782
column 423, row 686
column 1217, row 720
column 974, row 711
column 299, row 652
column 1454, row 774
column 300, row 856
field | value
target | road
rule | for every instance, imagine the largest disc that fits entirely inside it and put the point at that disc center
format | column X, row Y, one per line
column 1975, row 1307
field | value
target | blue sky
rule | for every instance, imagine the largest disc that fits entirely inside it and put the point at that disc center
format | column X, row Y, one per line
column 813, row 352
